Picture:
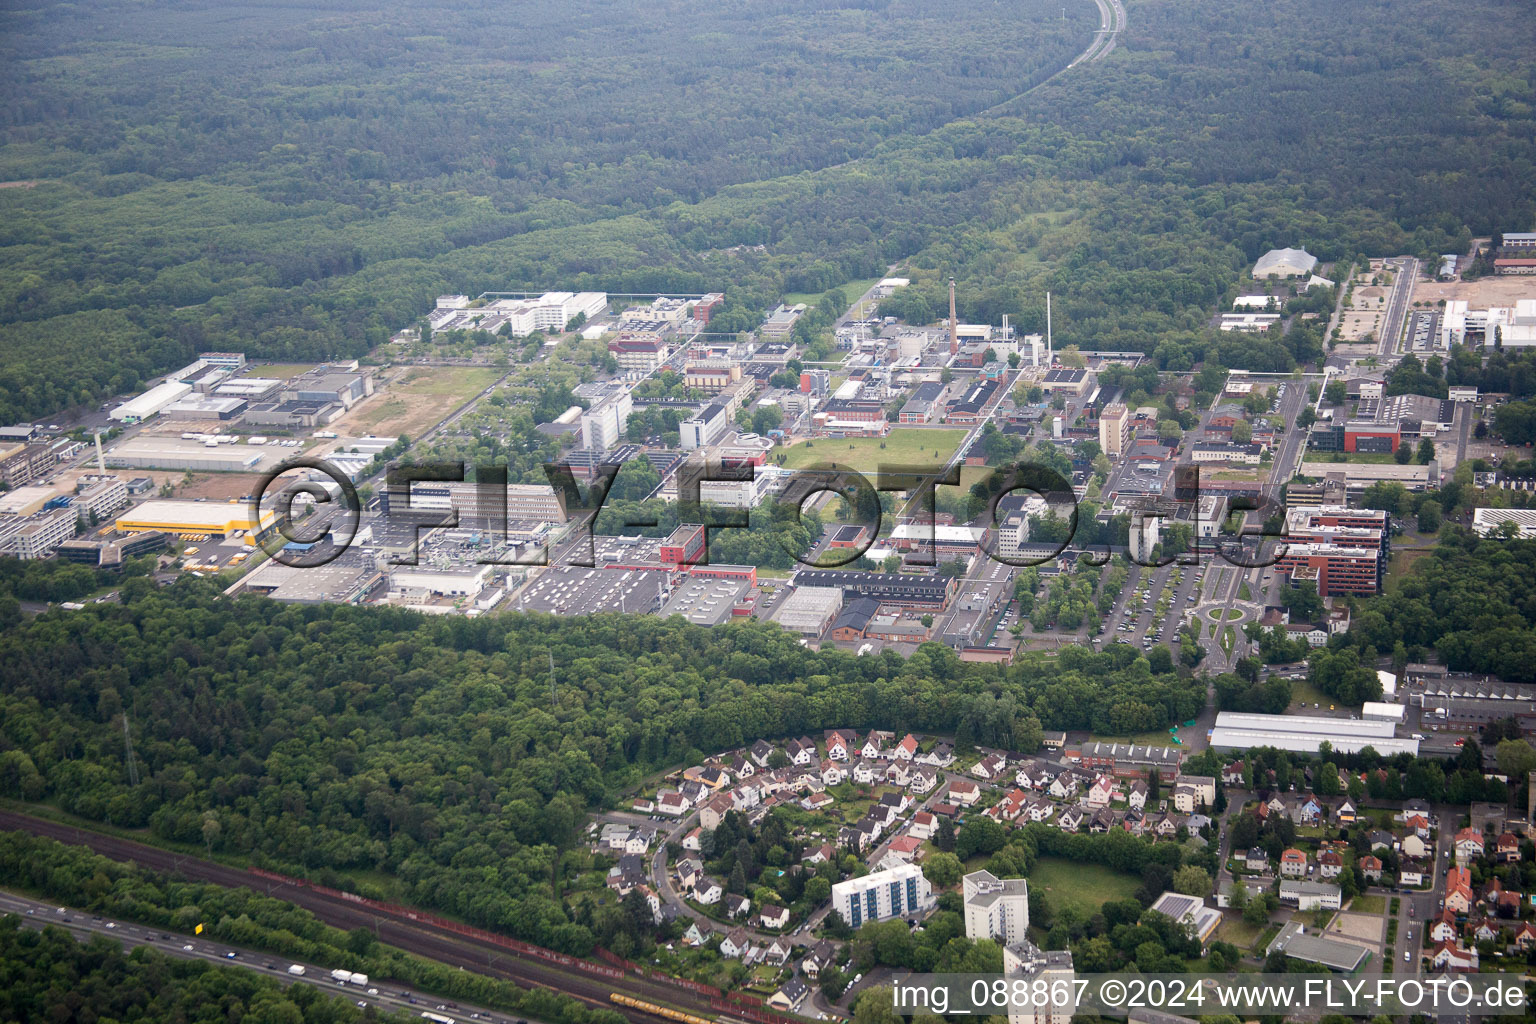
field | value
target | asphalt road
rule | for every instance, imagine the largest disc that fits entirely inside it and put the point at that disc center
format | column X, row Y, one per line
column 37, row 914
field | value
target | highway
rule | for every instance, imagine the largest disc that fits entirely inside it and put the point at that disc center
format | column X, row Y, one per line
column 401, row 930
column 85, row 926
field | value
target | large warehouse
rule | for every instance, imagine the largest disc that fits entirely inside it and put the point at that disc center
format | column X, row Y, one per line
column 1305, row 734
column 193, row 518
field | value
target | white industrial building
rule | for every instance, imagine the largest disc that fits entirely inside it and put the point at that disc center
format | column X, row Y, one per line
column 1305, row 734
column 706, row 428
column 550, row 312
column 1380, row 711
column 603, row 425
column 439, row 582
column 1284, row 263
column 995, row 908
column 1512, row 326
column 810, row 611
column 883, row 894
column 150, row 402
column 1487, row 520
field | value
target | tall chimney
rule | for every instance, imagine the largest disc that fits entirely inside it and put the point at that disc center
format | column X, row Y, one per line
column 1050, row 353
column 101, row 460
column 954, row 324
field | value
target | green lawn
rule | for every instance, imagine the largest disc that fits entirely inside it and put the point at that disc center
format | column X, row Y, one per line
column 1369, row 903
column 906, row 446
column 1399, row 565
column 1238, row 932
column 1082, row 886
column 851, row 290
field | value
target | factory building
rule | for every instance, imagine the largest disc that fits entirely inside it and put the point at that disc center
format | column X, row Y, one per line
column 183, row 518
column 150, row 402
column 810, row 611
column 927, row 593
column 1305, row 734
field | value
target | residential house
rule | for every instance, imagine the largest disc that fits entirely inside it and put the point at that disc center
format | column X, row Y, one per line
column 840, row 742
column 746, row 796
column 1064, row 785
column 735, row 944
column 742, row 768
column 626, row 874
column 1381, row 839
column 906, row 847
column 761, row 751
column 989, row 767
column 801, row 751
column 1410, row 874
column 737, row 906
column 1345, row 814
column 790, row 995
column 897, row 773
column 1443, row 928
column 1166, row 826
column 1255, row 859
column 1070, row 819
column 1293, row 863
column 816, row 801
column 873, row 747
column 1232, row 774
column 964, row 792
column 906, row 750
column 1102, row 821
column 922, row 780
column 694, row 840
column 1525, row 937
column 1507, row 848
column 690, row 871
column 1458, row 890
column 698, row 933
column 712, row 813
column 1329, row 864
column 1136, row 796
column 1448, row 957
column 818, row 958
column 777, row 951
column 818, row 854
column 1039, row 809
column 1469, row 845
column 1419, row 824
column 1102, row 791
column 832, row 773
column 941, row 756
column 1308, row 811
column 695, row 791
column 1415, row 846
column 1197, row 821
column 1194, row 792
column 864, row 772
column 773, row 917
column 1370, row 866
column 670, row 801
column 643, row 806
column 708, row 892
column 1482, row 930
column 924, row 825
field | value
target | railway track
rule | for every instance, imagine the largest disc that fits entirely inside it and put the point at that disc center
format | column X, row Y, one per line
column 413, row 936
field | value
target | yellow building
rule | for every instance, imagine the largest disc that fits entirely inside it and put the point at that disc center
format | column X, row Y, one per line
column 185, row 518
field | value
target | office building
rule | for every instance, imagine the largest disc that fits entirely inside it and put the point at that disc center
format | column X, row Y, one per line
column 884, row 894
column 1334, row 568
column 706, row 428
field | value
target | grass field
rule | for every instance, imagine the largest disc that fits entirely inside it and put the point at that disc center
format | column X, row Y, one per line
column 1399, row 565
column 1238, row 932
column 1308, row 694
column 417, row 400
column 1081, row 886
column 909, row 446
column 852, row 291
column 1369, row 903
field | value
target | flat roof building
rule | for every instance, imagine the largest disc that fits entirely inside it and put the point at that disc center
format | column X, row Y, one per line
column 810, row 611
column 183, row 518
column 907, row 591
column 1306, row 734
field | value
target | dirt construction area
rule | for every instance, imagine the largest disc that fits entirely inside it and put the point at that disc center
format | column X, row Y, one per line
column 1480, row 294
column 414, row 400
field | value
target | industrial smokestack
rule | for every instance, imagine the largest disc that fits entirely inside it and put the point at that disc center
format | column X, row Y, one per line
column 1050, row 352
column 101, row 460
column 954, row 324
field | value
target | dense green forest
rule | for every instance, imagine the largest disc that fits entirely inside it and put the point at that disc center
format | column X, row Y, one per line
column 299, row 181
column 1470, row 600
column 48, row 975
column 331, row 739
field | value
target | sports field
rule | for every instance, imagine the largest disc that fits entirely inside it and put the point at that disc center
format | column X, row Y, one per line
column 919, row 446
